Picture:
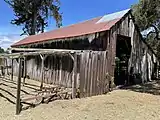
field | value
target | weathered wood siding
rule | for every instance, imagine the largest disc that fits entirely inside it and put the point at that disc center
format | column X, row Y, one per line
column 141, row 58
column 89, row 73
column 93, row 75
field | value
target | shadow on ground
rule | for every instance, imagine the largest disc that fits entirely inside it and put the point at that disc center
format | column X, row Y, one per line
column 150, row 87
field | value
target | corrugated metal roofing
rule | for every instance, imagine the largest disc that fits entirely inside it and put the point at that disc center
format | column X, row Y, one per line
column 87, row 27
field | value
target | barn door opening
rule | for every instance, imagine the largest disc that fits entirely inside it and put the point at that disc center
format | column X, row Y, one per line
column 123, row 51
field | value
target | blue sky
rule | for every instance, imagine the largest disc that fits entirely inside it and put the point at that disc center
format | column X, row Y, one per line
column 73, row 11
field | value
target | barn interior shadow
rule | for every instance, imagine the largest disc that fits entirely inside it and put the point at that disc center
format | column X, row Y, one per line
column 150, row 87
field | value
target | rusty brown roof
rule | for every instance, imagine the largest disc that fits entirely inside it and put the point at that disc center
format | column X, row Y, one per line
column 87, row 27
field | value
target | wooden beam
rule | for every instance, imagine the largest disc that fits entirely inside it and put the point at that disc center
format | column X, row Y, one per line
column 43, row 57
column 24, row 70
column 6, row 66
column 41, row 49
column 18, row 102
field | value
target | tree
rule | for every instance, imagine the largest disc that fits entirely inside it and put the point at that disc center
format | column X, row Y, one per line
column 2, row 50
column 33, row 14
column 147, row 17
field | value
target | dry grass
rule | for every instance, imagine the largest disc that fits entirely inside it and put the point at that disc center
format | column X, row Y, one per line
column 117, row 105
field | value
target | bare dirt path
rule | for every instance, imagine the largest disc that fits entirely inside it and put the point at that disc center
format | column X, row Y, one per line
column 117, row 105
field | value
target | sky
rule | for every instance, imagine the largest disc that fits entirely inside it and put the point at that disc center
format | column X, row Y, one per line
column 73, row 11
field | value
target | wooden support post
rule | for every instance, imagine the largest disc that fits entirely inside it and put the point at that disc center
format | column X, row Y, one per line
column 18, row 102
column 24, row 71
column 12, row 70
column 43, row 57
column 74, row 80
column 6, row 66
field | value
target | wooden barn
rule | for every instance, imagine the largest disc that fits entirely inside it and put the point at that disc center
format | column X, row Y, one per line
column 92, row 55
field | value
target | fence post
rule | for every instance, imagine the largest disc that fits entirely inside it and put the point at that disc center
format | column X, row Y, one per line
column 12, row 70
column 18, row 102
column 43, row 57
column 24, row 70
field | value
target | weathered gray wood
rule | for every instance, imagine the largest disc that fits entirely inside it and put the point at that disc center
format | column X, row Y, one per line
column 68, row 73
column 54, row 70
column 60, row 71
column 42, row 50
column 43, row 57
column 24, row 72
column 86, row 73
column 75, row 76
column 98, row 81
column 18, row 101
column 103, row 71
column 91, row 74
column 7, row 66
column 102, row 75
column 12, row 69
column 88, row 76
column 82, row 74
column 94, row 75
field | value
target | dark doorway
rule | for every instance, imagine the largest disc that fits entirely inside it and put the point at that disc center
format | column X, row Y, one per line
column 123, row 51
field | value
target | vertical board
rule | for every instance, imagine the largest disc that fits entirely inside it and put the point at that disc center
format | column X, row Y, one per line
column 74, row 80
column 88, row 74
column 82, row 74
column 91, row 74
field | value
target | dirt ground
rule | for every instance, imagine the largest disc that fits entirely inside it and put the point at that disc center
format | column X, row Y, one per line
column 126, row 104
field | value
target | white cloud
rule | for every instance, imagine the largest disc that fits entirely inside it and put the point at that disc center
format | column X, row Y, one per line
column 6, row 40
column 10, row 35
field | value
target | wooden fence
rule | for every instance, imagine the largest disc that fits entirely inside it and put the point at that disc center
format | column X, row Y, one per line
column 93, row 74
column 87, row 72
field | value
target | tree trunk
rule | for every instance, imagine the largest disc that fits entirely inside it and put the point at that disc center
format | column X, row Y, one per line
column 34, row 19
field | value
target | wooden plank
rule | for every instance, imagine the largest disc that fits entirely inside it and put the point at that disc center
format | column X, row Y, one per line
column 94, row 74
column 60, row 71
column 100, row 73
column 43, row 50
column 68, row 73
column 54, row 70
column 98, row 80
column 75, row 77
column 49, row 71
column 91, row 74
column 52, row 67
column 43, row 57
column 82, row 75
column 103, row 71
column 97, row 75
column 25, row 71
column 7, row 66
column 107, row 72
column 88, row 74
column 18, row 101
column 12, row 69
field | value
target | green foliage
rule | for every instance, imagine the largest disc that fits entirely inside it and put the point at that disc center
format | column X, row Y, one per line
column 146, row 13
column 147, row 16
column 33, row 14
column 2, row 50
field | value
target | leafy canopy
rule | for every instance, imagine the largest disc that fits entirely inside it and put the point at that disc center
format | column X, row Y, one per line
column 147, row 17
column 33, row 14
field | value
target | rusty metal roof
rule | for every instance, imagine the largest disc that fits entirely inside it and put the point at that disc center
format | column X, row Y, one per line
column 87, row 27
